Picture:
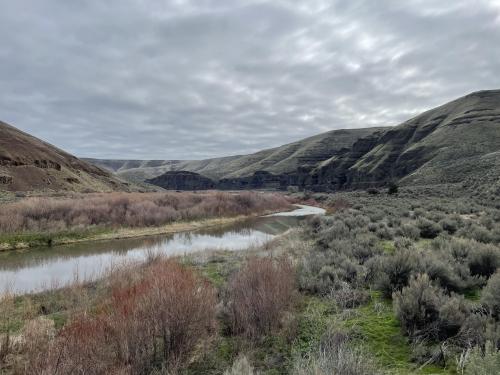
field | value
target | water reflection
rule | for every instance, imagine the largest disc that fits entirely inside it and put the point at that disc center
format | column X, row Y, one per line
column 44, row 268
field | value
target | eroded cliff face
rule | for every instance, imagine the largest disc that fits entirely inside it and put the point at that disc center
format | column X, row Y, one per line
column 453, row 134
column 182, row 180
column 459, row 140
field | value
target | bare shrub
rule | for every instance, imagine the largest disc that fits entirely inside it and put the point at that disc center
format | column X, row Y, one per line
column 180, row 307
column 154, row 319
column 347, row 297
column 82, row 346
column 259, row 294
column 129, row 209
column 37, row 333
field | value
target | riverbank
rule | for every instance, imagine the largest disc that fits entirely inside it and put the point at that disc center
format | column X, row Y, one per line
column 28, row 240
column 38, row 222
column 294, row 333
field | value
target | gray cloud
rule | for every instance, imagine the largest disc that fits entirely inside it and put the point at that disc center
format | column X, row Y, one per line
column 190, row 79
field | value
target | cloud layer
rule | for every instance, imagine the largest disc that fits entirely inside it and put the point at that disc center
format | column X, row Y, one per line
column 190, row 79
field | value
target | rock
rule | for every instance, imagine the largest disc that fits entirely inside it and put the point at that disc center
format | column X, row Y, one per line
column 182, row 180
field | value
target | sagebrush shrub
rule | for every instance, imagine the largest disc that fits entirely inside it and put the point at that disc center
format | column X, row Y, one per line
column 417, row 306
column 392, row 272
column 485, row 362
column 428, row 229
column 490, row 296
column 483, row 259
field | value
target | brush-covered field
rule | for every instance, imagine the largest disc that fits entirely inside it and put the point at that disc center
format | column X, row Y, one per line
column 42, row 221
column 402, row 283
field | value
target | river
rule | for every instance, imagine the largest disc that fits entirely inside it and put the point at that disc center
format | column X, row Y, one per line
column 39, row 269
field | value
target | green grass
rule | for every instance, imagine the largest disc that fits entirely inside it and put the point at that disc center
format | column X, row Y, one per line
column 39, row 239
column 387, row 246
column 313, row 320
column 380, row 333
column 216, row 272
column 275, row 353
column 473, row 294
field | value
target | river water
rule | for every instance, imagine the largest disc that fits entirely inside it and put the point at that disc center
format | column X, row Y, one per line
column 38, row 269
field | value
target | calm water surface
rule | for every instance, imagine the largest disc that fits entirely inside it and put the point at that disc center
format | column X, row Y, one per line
column 50, row 267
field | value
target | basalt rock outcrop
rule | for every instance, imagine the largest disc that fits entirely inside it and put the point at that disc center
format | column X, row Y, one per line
column 182, row 180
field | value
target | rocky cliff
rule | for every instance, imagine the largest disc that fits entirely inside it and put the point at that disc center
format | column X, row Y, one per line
column 182, row 180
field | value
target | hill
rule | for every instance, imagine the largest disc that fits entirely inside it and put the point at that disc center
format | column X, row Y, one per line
column 278, row 160
column 29, row 164
column 454, row 142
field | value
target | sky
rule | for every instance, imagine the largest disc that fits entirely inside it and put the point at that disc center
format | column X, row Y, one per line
column 193, row 79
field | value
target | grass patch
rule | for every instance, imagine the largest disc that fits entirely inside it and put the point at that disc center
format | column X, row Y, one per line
column 380, row 333
column 39, row 239
column 314, row 318
column 387, row 247
column 473, row 294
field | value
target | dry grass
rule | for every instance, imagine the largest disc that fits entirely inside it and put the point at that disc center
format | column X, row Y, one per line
column 129, row 209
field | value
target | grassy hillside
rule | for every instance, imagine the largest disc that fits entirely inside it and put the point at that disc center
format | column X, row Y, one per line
column 452, row 143
column 284, row 159
column 458, row 140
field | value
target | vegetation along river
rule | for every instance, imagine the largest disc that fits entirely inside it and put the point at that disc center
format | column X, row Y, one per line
column 51, row 267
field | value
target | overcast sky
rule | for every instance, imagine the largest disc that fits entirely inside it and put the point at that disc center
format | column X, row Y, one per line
column 190, row 79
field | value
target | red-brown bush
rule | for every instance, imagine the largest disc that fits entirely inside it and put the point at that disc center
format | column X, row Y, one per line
column 259, row 294
column 155, row 320
column 129, row 209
